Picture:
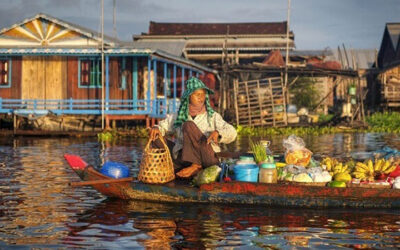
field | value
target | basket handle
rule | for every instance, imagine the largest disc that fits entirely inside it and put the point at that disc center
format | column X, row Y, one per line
column 148, row 145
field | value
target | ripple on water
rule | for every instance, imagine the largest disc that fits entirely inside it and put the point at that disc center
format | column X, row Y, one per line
column 39, row 209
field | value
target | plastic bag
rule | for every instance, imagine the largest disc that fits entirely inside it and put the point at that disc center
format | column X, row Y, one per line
column 396, row 183
column 296, row 152
column 207, row 175
column 303, row 177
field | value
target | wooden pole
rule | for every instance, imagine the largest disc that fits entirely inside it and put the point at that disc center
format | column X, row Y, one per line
column 235, row 93
column 115, row 19
column 287, row 51
column 248, row 105
column 102, row 64
column 260, row 104
column 362, row 96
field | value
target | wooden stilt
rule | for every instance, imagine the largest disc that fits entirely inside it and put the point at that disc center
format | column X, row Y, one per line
column 107, row 122
column 147, row 122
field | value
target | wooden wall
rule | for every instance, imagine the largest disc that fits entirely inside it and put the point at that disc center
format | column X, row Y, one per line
column 115, row 76
column 43, row 77
column 115, row 79
column 14, row 92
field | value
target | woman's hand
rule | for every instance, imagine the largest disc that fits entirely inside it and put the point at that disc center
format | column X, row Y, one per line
column 189, row 171
column 213, row 137
column 154, row 133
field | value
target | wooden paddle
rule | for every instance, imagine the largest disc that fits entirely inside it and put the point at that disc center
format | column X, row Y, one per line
column 95, row 182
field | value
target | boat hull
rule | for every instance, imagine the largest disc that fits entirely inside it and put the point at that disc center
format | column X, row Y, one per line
column 247, row 193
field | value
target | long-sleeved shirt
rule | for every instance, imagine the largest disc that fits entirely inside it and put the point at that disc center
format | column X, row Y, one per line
column 226, row 131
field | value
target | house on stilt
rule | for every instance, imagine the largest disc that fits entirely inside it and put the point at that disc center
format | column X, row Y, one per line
column 51, row 70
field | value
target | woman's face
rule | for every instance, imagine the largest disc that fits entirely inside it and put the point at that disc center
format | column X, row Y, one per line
column 198, row 97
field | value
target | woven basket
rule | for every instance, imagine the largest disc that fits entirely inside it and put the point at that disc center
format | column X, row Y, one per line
column 156, row 166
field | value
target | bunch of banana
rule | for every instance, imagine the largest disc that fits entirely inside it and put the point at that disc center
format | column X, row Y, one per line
column 364, row 171
column 368, row 170
column 386, row 166
column 351, row 163
column 340, row 168
column 329, row 163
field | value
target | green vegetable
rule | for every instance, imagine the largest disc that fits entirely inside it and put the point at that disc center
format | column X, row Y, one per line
column 337, row 184
column 258, row 151
column 207, row 175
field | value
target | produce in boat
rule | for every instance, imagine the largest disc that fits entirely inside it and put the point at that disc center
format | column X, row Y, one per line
column 296, row 152
column 334, row 166
column 341, row 184
column 342, row 177
column 369, row 170
column 236, row 192
column 260, row 152
column 208, row 175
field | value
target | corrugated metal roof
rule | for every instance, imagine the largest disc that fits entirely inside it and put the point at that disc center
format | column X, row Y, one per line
column 310, row 53
column 363, row 58
column 175, row 48
column 156, row 28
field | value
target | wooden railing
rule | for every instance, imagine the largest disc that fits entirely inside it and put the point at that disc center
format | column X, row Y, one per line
column 157, row 108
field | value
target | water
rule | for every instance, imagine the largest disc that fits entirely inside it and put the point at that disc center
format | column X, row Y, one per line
column 39, row 210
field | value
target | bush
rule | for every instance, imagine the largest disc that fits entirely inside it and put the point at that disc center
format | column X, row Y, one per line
column 304, row 92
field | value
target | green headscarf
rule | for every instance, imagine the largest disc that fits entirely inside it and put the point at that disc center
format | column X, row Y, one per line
column 192, row 85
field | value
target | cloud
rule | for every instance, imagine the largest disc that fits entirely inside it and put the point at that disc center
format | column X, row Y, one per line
column 316, row 23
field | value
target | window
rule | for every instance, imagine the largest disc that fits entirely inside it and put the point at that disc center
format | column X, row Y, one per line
column 5, row 73
column 90, row 72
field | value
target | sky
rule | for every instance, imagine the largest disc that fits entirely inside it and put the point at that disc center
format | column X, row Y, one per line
column 317, row 24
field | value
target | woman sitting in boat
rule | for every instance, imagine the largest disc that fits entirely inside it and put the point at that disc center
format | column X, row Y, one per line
column 197, row 128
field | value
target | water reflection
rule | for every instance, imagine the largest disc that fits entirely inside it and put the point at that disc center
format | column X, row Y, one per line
column 158, row 225
column 39, row 209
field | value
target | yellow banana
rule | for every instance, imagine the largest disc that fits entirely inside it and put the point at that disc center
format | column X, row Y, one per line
column 370, row 166
column 385, row 166
column 336, row 168
column 358, row 175
column 328, row 166
column 360, row 165
column 345, row 168
column 378, row 165
column 390, row 169
column 361, row 170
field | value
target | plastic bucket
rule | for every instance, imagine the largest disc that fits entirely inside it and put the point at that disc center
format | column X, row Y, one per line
column 246, row 172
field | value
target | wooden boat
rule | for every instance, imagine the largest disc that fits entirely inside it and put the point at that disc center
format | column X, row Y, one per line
column 247, row 193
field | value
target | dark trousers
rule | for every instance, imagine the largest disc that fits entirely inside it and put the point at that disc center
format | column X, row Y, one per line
column 195, row 148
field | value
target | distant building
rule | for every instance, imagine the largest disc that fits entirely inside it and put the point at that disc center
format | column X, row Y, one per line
column 388, row 67
column 211, row 43
column 249, row 54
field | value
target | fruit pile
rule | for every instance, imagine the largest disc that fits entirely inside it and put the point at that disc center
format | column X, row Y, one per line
column 364, row 171
column 338, row 170
column 370, row 171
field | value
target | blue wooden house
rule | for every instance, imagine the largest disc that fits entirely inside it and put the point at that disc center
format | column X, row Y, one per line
column 51, row 66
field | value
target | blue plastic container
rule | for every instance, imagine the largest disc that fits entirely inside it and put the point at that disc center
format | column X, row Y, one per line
column 246, row 172
column 115, row 170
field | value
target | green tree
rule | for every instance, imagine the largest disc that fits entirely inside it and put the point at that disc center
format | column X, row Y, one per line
column 304, row 93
